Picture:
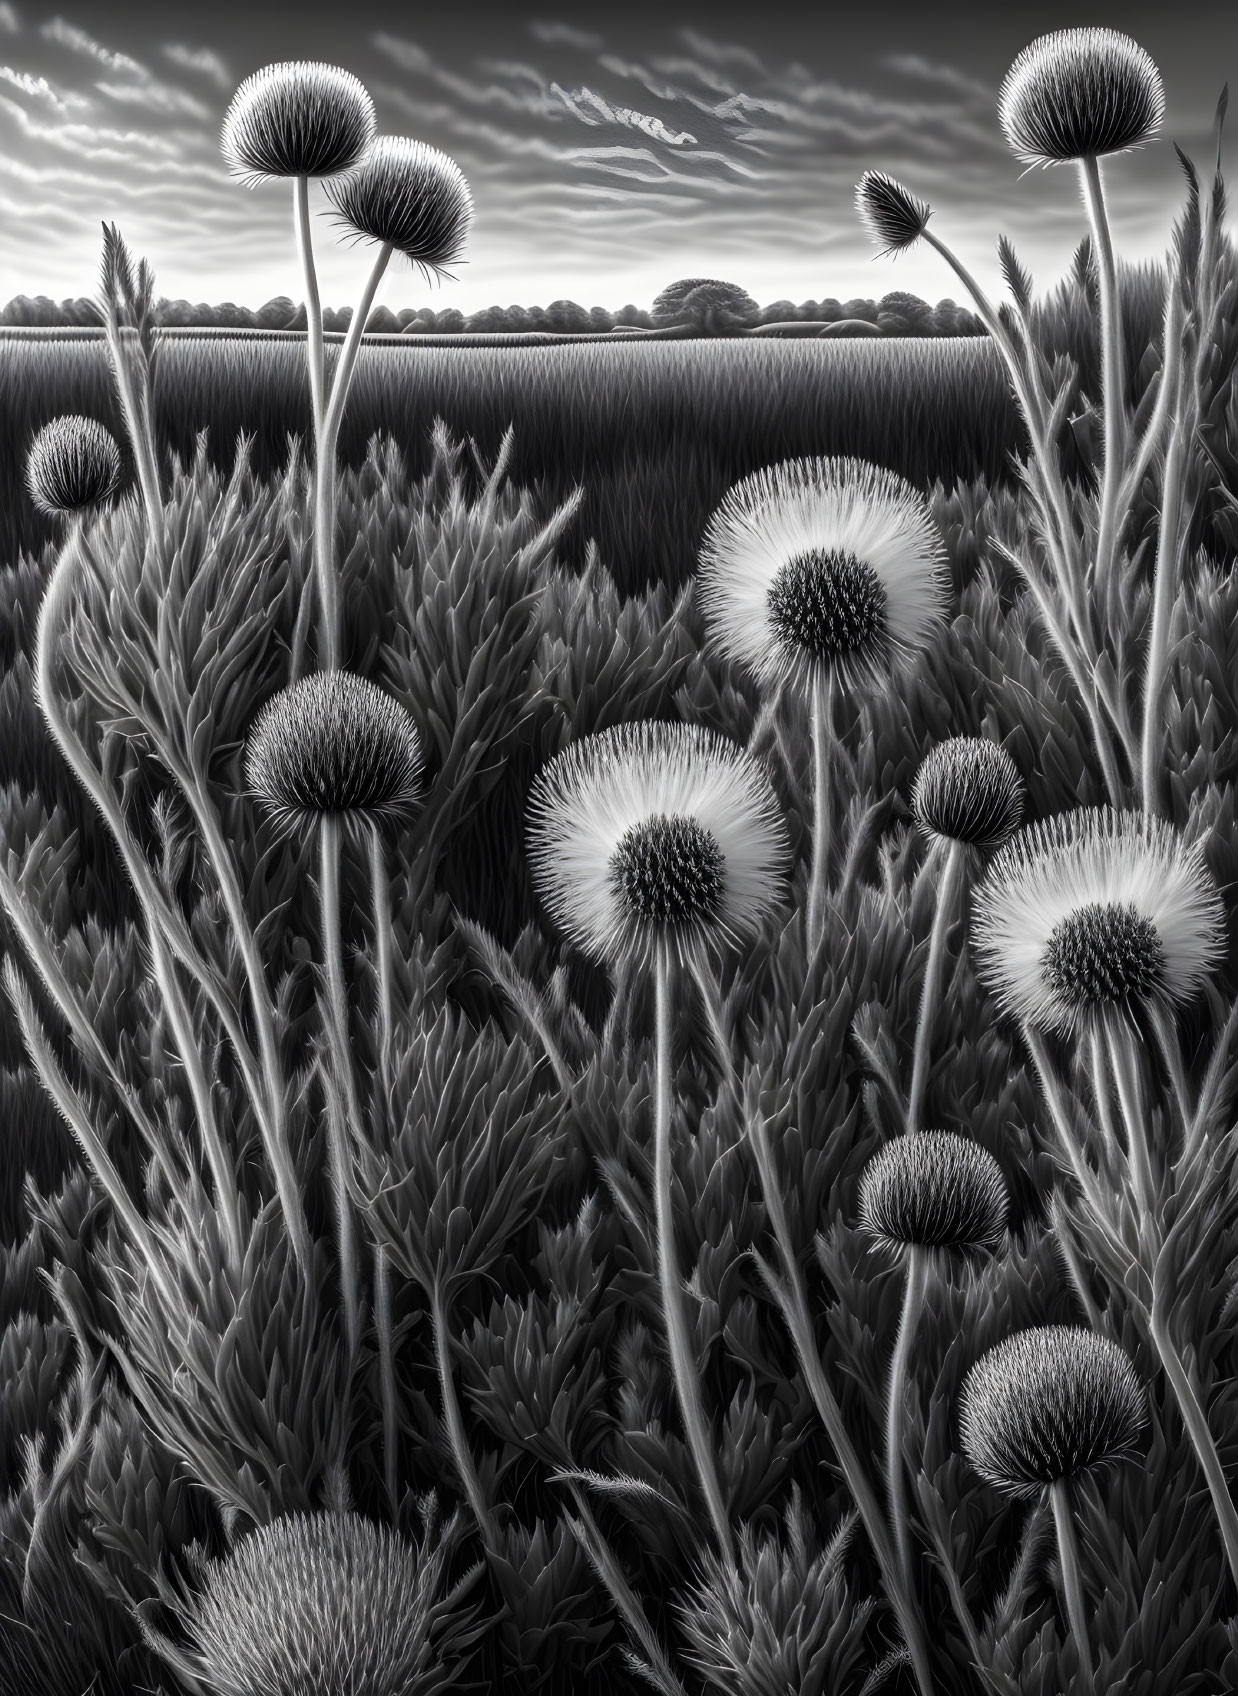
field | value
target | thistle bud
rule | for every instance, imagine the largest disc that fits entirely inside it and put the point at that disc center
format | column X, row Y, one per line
column 298, row 119
column 893, row 216
column 410, row 197
column 934, row 1189
column 968, row 789
column 1078, row 94
column 73, row 465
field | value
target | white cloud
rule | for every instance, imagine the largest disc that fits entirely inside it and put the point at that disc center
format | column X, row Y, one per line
column 199, row 59
column 77, row 41
column 8, row 18
column 591, row 109
column 155, row 96
column 554, row 34
column 40, row 89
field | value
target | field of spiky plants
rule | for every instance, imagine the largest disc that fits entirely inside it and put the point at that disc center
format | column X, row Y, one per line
column 567, row 1139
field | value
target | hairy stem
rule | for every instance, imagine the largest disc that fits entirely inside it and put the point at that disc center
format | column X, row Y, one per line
column 313, row 304
column 342, row 1128
column 711, row 1001
column 386, row 1368
column 380, row 885
column 1169, row 547
column 1072, row 1581
column 913, row 1301
column 943, row 918
column 1125, row 1066
column 822, row 736
column 453, row 1418
column 1113, row 380
column 1198, row 1430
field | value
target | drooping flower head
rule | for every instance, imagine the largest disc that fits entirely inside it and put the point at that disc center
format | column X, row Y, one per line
column 934, row 1189
column 409, row 196
column 297, row 119
column 1049, row 1403
column 1080, row 93
column 73, row 465
column 968, row 789
column 1093, row 912
column 821, row 564
column 893, row 216
column 324, row 1604
column 656, row 834
column 334, row 743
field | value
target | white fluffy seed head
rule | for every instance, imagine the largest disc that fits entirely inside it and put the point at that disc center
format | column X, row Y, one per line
column 324, row 1604
column 297, row 119
column 893, row 216
column 1095, row 911
column 1079, row 93
column 656, row 835
column 968, row 789
column 408, row 195
column 822, row 565
column 1049, row 1403
column 73, row 465
column 934, row 1189
column 333, row 743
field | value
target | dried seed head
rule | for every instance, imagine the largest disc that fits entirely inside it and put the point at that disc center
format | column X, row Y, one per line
column 651, row 835
column 1080, row 93
column 893, row 216
column 934, row 1189
column 297, row 119
column 1049, row 1403
column 409, row 196
column 333, row 743
column 830, row 604
column 968, row 789
column 73, row 465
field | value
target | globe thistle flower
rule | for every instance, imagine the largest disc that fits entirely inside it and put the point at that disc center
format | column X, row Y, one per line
column 1078, row 94
column 893, row 216
column 324, row 1604
column 656, row 834
column 1047, row 1404
column 334, row 744
column 821, row 565
column 409, row 197
column 297, row 119
column 73, row 465
column 968, row 790
column 934, row 1190
column 1096, row 912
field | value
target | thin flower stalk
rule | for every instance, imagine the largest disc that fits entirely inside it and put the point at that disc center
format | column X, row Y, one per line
column 1072, row 1579
column 944, row 914
column 313, row 305
column 1113, row 381
column 453, row 1419
column 343, row 1126
column 896, row 1470
column 1171, row 545
column 822, row 713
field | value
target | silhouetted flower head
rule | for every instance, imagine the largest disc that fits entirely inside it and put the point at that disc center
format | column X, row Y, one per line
column 1077, row 93
column 1049, row 1403
column 821, row 564
column 893, row 216
column 1092, row 911
column 968, row 789
column 333, row 743
column 656, row 834
column 73, row 465
column 297, row 119
column 410, row 196
column 934, row 1189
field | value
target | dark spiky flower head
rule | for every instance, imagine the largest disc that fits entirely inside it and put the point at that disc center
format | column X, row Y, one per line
column 73, row 465
column 410, row 197
column 324, row 1604
column 968, row 789
column 335, row 744
column 893, row 216
column 1078, row 94
column 934, row 1189
column 297, row 119
column 1049, row 1403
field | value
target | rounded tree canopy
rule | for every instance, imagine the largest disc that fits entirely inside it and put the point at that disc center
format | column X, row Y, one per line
column 706, row 302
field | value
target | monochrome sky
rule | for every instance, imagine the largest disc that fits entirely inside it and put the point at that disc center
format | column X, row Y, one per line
column 609, row 151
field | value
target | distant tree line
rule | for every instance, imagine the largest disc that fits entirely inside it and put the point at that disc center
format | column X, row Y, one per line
column 696, row 305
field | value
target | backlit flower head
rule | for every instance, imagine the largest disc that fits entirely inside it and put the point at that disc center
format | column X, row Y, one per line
column 934, row 1189
column 1049, row 1403
column 1095, row 911
column 822, row 564
column 297, row 119
column 893, row 216
column 333, row 743
column 656, row 834
column 1080, row 93
column 73, row 465
column 410, row 196
column 968, row 789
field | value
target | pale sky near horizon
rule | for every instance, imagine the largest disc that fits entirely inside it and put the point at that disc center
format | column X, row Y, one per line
column 608, row 155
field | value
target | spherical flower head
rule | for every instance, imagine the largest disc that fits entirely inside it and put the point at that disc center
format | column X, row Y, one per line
column 1093, row 913
column 334, row 744
column 893, row 216
column 1047, row 1404
column 297, row 119
column 822, row 565
column 969, row 790
column 1077, row 94
column 934, row 1189
column 73, row 465
column 324, row 1604
column 656, row 835
column 410, row 197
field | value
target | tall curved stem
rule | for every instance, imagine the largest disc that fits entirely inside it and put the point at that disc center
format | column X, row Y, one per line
column 822, row 736
column 313, row 305
column 913, row 1301
column 1112, row 361
column 339, row 1134
column 943, row 917
column 1072, row 1580
column 453, row 1418
column 380, row 886
column 1199, row 1431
